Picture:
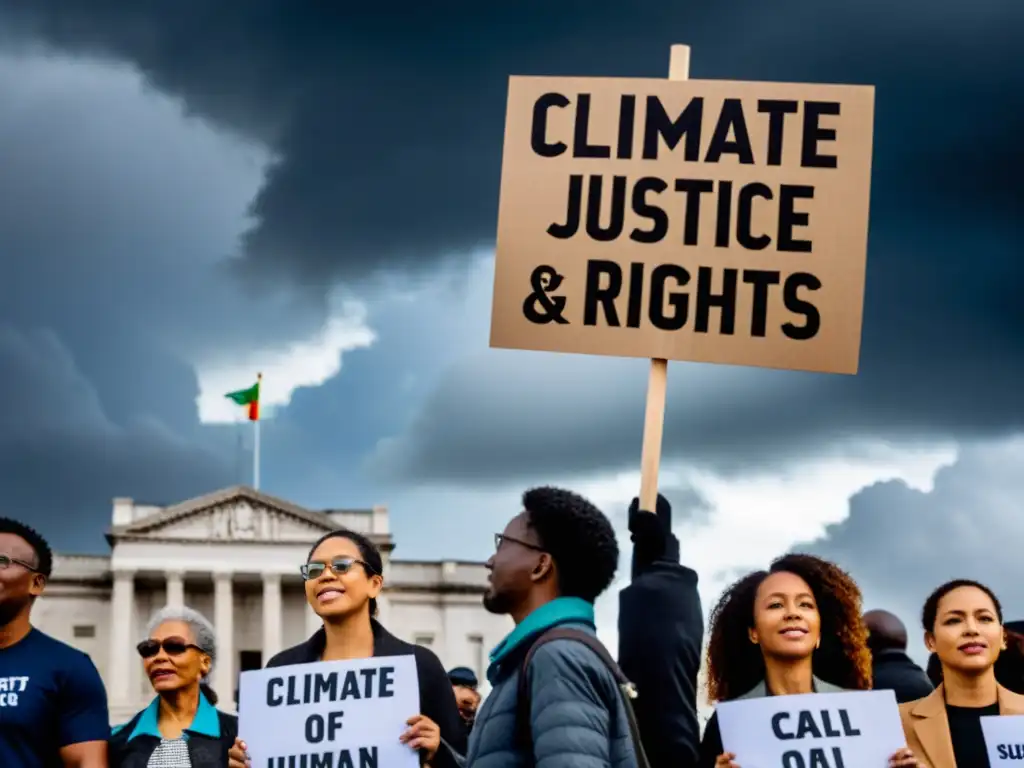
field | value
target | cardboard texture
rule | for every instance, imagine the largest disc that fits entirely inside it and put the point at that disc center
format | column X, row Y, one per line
column 798, row 296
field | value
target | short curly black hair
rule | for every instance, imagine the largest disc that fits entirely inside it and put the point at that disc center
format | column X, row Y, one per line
column 930, row 611
column 579, row 538
column 44, row 555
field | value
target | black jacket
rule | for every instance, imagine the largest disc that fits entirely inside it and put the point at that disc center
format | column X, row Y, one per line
column 892, row 670
column 437, row 699
column 204, row 751
column 661, row 629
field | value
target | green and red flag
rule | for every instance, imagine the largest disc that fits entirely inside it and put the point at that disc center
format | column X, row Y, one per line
column 249, row 397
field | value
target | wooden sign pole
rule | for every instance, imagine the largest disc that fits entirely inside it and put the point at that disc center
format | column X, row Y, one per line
column 654, row 416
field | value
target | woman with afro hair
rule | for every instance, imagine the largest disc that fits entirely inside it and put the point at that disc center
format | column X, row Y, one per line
column 795, row 628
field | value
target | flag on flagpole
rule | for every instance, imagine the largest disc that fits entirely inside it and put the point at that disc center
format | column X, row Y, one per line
column 249, row 397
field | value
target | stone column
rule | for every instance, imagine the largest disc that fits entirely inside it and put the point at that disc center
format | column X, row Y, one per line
column 121, row 658
column 175, row 589
column 313, row 622
column 272, row 640
column 453, row 651
column 383, row 607
column 383, row 599
column 224, row 623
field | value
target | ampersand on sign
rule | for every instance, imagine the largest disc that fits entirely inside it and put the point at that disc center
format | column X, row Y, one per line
column 540, row 306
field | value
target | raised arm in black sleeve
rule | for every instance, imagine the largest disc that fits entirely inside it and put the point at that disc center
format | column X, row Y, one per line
column 661, row 628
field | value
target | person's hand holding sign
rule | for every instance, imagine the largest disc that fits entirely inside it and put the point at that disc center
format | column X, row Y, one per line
column 903, row 759
column 237, row 755
column 423, row 735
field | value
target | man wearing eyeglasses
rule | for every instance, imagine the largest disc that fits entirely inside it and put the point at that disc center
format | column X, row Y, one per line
column 53, row 706
column 555, row 699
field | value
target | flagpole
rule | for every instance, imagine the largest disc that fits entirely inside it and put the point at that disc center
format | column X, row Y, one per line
column 256, row 457
column 256, row 440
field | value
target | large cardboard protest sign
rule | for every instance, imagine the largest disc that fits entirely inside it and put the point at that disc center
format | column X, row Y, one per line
column 1004, row 739
column 823, row 730
column 713, row 221
column 710, row 221
column 333, row 714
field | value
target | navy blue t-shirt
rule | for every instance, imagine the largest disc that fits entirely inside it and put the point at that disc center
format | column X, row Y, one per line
column 50, row 696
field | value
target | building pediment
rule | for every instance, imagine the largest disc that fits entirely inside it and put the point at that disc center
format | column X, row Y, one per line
column 233, row 514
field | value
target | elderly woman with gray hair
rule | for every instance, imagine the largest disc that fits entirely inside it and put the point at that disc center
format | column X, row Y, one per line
column 181, row 728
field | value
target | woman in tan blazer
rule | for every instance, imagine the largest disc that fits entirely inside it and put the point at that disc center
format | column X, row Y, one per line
column 963, row 624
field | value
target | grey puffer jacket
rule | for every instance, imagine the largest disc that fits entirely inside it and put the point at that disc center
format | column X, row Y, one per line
column 576, row 713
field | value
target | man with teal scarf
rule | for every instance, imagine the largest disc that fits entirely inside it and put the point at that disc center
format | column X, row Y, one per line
column 549, row 566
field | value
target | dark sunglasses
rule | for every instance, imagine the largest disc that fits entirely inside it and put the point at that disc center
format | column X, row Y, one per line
column 339, row 565
column 173, row 646
column 500, row 537
column 6, row 561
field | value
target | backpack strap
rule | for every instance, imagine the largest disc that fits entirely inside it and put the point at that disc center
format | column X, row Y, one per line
column 524, row 733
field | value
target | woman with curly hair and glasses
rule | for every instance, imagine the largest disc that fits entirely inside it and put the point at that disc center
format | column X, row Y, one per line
column 795, row 628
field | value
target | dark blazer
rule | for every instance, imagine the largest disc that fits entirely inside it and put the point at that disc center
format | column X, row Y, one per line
column 437, row 699
column 209, row 737
column 892, row 670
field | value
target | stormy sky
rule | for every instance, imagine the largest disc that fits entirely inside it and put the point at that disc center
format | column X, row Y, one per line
column 192, row 192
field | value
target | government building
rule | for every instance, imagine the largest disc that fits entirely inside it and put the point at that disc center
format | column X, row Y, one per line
column 234, row 555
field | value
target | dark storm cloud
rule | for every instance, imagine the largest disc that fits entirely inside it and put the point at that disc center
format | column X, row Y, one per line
column 61, row 455
column 943, row 351
column 900, row 543
column 688, row 504
column 386, row 128
column 942, row 359
column 689, row 507
column 116, row 209
column 115, row 216
column 387, row 121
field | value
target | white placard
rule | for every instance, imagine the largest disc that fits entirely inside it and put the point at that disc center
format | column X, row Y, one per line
column 860, row 729
column 1004, row 739
column 330, row 714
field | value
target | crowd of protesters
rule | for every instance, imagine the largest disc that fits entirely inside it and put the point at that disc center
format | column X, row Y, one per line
column 556, row 699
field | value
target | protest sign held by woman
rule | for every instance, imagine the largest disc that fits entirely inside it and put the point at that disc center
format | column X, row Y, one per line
column 343, row 577
column 963, row 624
column 794, row 629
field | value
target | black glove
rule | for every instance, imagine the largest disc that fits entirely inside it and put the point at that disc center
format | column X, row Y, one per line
column 652, row 535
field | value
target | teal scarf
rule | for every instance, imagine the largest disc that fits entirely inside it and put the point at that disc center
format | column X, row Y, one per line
column 559, row 611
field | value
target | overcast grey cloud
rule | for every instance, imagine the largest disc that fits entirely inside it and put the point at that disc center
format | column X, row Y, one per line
column 115, row 219
column 943, row 347
column 901, row 543
column 58, row 447
column 328, row 148
column 933, row 369
column 387, row 126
